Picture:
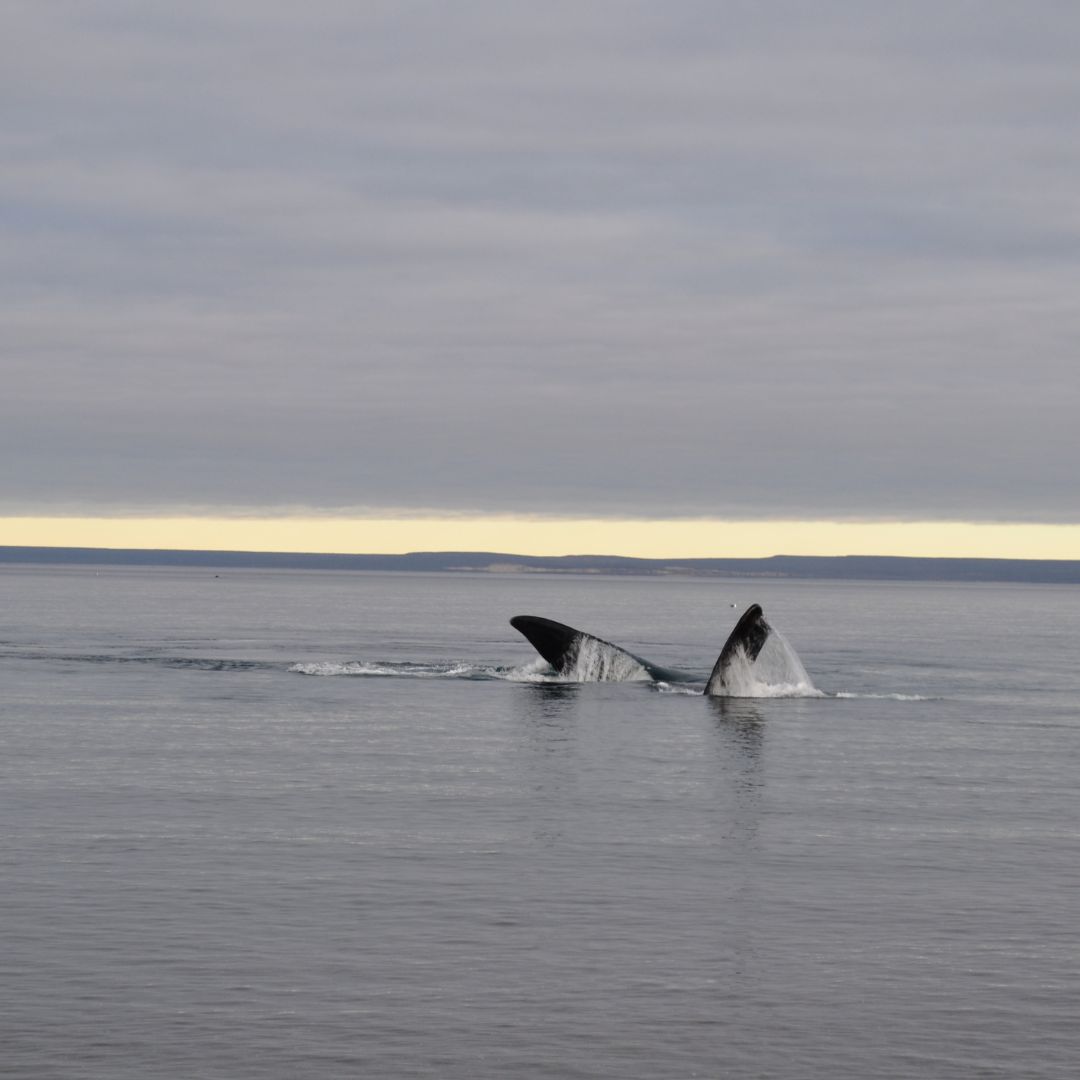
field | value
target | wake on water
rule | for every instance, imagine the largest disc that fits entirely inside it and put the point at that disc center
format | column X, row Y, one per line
column 404, row 669
column 777, row 672
column 594, row 661
column 536, row 671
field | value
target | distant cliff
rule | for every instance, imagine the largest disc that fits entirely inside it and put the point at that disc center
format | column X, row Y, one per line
column 847, row 567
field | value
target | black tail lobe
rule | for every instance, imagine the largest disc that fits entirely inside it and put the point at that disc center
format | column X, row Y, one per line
column 554, row 641
column 749, row 637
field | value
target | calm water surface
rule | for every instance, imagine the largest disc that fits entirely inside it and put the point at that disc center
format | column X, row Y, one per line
column 275, row 824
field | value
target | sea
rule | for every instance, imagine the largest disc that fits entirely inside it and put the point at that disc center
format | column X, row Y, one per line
column 281, row 824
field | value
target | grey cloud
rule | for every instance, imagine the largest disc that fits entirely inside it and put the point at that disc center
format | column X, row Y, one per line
column 599, row 258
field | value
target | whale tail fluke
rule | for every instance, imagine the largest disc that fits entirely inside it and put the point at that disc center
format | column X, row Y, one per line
column 570, row 652
column 554, row 641
column 584, row 657
column 746, row 640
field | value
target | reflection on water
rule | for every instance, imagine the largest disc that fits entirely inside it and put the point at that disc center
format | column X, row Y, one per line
column 742, row 733
column 549, row 717
column 735, row 709
column 740, row 730
column 741, row 741
column 549, row 699
column 548, row 713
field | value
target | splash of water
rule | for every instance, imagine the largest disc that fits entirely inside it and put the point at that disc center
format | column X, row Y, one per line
column 777, row 672
column 851, row 695
column 591, row 661
column 536, row 671
column 408, row 670
column 596, row 661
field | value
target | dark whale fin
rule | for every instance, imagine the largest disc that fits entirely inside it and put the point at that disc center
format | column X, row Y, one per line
column 749, row 637
column 554, row 641
column 560, row 645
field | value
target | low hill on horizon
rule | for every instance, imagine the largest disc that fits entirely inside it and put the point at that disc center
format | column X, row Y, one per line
column 840, row 567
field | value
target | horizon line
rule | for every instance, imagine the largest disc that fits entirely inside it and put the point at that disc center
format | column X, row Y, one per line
column 549, row 536
column 668, row 560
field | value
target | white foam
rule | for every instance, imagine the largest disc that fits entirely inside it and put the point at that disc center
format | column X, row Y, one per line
column 538, row 671
column 596, row 661
column 412, row 671
column 325, row 668
column 592, row 661
column 777, row 672
column 679, row 688
column 882, row 697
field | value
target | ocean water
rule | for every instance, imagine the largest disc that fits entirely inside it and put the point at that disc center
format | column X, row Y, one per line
column 271, row 824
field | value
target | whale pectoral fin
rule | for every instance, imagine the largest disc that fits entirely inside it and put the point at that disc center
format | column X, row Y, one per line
column 554, row 641
column 748, row 638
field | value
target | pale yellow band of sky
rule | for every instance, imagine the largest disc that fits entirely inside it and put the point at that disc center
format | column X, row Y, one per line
column 551, row 536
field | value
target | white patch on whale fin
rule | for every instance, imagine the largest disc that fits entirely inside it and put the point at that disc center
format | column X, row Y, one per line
column 593, row 660
column 746, row 642
column 777, row 672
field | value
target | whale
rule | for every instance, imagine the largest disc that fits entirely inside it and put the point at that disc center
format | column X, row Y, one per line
column 563, row 647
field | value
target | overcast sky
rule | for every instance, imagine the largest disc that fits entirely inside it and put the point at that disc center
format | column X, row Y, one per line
column 726, row 259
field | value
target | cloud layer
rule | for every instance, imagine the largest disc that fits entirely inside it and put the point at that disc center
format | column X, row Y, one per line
column 605, row 258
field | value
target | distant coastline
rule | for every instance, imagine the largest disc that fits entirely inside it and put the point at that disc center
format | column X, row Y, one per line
column 843, row 567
